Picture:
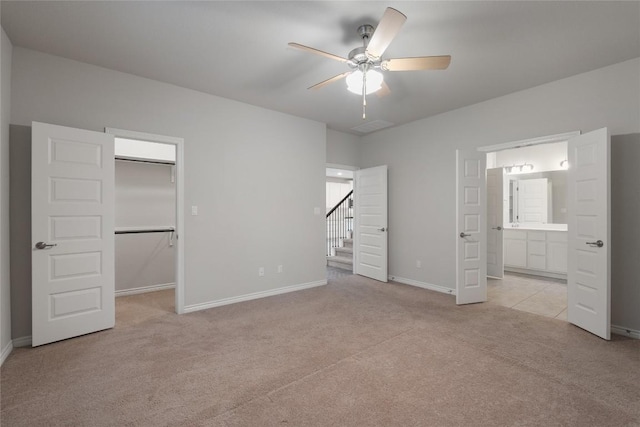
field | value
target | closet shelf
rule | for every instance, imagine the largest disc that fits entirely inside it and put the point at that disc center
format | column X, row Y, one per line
column 138, row 230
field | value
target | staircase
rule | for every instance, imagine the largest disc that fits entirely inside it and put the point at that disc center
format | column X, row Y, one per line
column 343, row 257
column 339, row 233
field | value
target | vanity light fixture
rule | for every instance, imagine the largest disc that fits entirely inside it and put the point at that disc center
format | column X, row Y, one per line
column 525, row 167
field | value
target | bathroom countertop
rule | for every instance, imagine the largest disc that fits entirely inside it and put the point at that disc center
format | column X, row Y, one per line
column 541, row 227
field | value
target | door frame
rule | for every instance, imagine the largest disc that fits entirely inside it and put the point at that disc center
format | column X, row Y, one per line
column 180, row 231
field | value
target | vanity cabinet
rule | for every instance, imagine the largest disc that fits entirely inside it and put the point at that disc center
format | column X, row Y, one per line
column 515, row 248
column 536, row 251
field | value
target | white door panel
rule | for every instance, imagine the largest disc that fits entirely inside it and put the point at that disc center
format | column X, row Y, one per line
column 371, row 223
column 73, row 213
column 495, row 210
column 471, row 233
column 589, row 255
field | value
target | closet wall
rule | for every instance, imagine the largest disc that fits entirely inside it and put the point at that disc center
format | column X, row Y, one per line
column 145, row 197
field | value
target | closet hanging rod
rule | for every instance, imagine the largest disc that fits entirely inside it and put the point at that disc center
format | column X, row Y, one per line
column 156, row 162
column 147, row 230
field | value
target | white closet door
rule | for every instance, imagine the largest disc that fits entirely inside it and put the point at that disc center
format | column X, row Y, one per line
column 72, row 214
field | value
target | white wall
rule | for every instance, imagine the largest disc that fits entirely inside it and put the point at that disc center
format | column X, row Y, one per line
column 238, row 163
column 343, row 148
column 5, row 110
column 421, row 156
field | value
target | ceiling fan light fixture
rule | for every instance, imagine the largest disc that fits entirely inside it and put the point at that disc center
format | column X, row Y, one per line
column 355, row 81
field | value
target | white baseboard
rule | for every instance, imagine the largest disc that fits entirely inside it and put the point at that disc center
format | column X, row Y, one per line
column 145, row 289
column 621, row 330
column 423, row 285
column 22, row 341
column 548, row 274
column 6, row 351
column 255, row 295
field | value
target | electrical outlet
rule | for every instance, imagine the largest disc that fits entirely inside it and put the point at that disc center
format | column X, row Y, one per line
column 261, row 271
column 280, row 269
column 418, row 264
column 194, row 210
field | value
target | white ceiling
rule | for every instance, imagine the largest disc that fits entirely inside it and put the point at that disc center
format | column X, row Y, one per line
column 238, row 50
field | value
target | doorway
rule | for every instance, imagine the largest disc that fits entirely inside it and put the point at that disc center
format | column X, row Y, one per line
column 339, row 212
column 527, row 228
column 148, row 196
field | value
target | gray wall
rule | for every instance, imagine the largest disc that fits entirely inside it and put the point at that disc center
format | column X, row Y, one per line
column 342, row 148
column 238, row 163
column 422, row 168
column 5, row 110
column 625, row 230
column 20, row 157
column 145, row 197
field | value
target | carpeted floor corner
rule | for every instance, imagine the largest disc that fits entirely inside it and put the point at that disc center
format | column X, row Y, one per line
column 353, row 353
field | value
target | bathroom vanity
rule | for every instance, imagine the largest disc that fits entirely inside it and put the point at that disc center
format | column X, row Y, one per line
column 539, row 249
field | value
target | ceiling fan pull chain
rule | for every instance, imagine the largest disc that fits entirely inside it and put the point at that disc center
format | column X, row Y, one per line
column 364, row 95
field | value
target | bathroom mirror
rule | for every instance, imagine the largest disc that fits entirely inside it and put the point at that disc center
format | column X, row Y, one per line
column 538, row 197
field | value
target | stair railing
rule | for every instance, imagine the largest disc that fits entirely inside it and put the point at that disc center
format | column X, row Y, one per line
column 339, row 223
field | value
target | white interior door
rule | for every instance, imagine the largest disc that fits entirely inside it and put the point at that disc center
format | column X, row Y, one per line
column 471, row 233
column 589, row 257
column 532, row 200
column 72, row 214
column 495, row 222
column 371, row 223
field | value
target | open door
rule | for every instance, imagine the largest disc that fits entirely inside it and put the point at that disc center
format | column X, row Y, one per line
column 471, row 233
column 72, row 214
column 371, row 223
column 495, row 222
column 589, row 257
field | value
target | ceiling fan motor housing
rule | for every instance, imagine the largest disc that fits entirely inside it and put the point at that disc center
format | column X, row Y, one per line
column 358, row 56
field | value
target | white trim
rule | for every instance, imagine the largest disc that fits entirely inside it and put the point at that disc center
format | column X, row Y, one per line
column 343, row 167
column 22, row 342
column 255, row 295
column 144, row 289
column 143, row 136
column 179, row 173
column 532, row 141
column 549, row 274
column 6, row 351
column 423, row 285
column 621, row 330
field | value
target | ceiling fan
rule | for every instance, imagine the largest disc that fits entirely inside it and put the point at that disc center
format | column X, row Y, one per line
column 366, row 61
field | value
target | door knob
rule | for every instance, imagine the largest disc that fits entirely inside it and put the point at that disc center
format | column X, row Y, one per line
column 43, row 245
column 598, row 243
column 496, row 228
column 463, row 235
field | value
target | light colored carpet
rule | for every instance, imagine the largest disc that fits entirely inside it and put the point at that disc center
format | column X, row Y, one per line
column 353, row 353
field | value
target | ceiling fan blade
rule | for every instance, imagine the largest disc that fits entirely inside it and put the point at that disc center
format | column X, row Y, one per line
column 385, row 32
column 318, row 52
column 331, row 80
column 416, row 64
column 384, row 90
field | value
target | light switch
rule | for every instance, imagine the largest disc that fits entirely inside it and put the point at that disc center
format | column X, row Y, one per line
column 194, row 210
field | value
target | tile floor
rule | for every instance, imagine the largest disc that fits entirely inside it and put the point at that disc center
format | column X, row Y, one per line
column 534, row 294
